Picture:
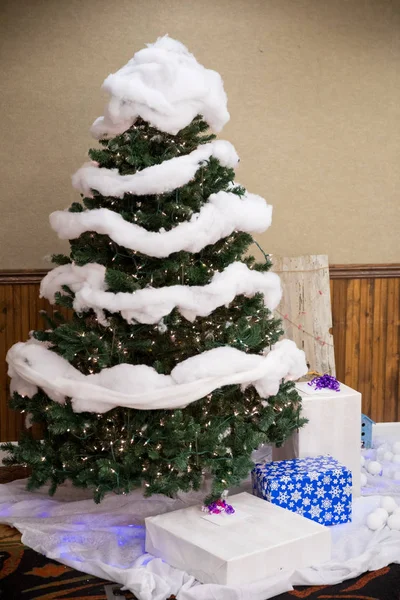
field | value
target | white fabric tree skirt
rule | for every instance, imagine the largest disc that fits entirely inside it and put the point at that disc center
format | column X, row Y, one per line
column 107, row 540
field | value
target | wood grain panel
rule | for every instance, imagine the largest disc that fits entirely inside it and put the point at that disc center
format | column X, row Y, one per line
column 366, row 333
column 392, row 379
column 20, row 308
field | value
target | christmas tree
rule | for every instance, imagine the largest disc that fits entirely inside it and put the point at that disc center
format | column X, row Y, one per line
column 170, row 366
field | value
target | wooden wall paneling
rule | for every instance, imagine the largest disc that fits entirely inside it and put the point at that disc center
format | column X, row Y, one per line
column 393, row 350
column 14, row 312
column 339, row 299
column 377, row 355
column 20, row 308
column 3, row 365
column 10, row 340
column 366, row 333
column 11, row 422
column 385, row 409
column 22, row 316
column 36, row 321
column 352, row 333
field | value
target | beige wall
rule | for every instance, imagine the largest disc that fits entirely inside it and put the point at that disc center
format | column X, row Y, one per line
column 314, row 96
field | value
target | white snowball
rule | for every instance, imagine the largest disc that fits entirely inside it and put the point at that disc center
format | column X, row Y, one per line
column 380, row 452
column 388, row 456
column 396, row 475
column 396, row 458
column 369, row 454
column 394, row 522
column 396, row 448
column 397, row 511
column 374, row 467
column 387, row 472
column 362, row 461
column 383, row 513
column 375, row 521
column 363, row 479
column 388, row 503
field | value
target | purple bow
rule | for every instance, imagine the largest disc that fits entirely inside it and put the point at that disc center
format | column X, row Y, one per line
column 218, row 507
column 326, row 381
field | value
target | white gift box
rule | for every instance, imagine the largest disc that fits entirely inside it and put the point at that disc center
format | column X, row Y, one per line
column 258, row 541
column 334, row 427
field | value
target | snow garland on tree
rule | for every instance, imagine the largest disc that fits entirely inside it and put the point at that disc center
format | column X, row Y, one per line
column 150, row 305
column 222, row 214
column 158, row 179
column 32, row 365
column 166, row 86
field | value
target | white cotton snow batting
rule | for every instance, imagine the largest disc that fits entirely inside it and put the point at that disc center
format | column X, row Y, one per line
column 223, row 213
column 166, row 86
column 44, row 364
column 75, row 277
column 158, row 179
column 150, row 305
column 141, row 387
column 285, row 361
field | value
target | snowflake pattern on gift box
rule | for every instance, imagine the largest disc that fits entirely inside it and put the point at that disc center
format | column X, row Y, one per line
column 296, row 496
column 317, row 488
column 315, row 511
column 308, row 488
column 326, row 503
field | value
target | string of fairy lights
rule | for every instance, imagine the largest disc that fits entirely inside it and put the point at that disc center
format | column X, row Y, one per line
column 118, row 439
column 114, row 439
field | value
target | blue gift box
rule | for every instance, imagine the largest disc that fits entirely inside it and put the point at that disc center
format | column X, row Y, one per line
column 318, row 488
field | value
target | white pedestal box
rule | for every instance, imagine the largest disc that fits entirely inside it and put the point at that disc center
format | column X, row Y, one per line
column 258, row 541
column 334, row 427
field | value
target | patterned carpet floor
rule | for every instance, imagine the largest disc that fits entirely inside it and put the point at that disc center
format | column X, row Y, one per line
column 27, row 575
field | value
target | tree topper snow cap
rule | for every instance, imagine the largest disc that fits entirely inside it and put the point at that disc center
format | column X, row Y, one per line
column 166, row 86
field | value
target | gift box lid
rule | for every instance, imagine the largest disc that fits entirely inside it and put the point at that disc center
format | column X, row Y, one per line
column 258, row 541
column 306, row 391
column 311, row 467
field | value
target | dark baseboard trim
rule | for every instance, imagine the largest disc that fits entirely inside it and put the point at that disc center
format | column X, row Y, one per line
column 32, row 276
column 364, row 271
column 19, row 276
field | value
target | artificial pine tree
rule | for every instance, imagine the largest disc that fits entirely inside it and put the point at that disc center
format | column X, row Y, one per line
column 164, row 372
